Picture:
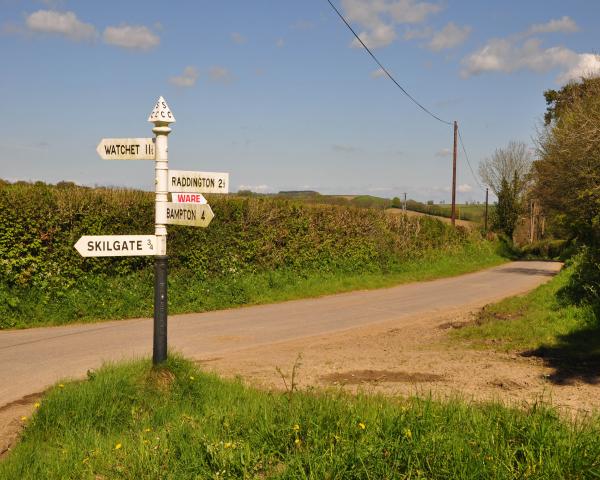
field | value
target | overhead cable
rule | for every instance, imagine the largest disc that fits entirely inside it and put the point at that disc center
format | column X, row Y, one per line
column 413, row 99
column 468, row 162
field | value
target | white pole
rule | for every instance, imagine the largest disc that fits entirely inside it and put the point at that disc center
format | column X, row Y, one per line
column 161, row 116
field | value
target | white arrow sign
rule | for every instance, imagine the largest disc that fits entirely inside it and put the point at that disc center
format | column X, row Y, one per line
column 116, row 245
column 191, row 214
column 126, row 149
column 198, row 182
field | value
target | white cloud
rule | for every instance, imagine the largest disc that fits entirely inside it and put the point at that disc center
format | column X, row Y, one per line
column 449, row 37
column 60, row 23
column 444, row 152
column 279, row 43
column 238, row 38
column 379, row 18
column 220, row 74
column 187, row 79
column 464, row 188
column 508, row 55
column 587, row 64
column 562, row 25
column 417, row 33
column 135, row 37
column 379, row 73
column 381, row 36
column 523, row 52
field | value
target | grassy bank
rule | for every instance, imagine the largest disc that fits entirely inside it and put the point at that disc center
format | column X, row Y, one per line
column 101, row 297
column 540, row 318
column 133, row 422
column 546, row 324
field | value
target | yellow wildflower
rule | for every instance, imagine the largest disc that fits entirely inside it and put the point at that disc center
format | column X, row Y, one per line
column 191, row 377
column 228, row 444
column 147, row 430
column 407, row 433
column 60, row 385
column 23, row 418
column 361, row 425
column 297, row 442
column 36, row 404
column 118, row 446
column 296, row 427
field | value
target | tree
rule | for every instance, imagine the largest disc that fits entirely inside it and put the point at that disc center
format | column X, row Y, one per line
column 567, row 173
column 567, row 178
column 512, row 164
column 396, row 203
column 559, row 101
column 506, row 172
column 508, row 207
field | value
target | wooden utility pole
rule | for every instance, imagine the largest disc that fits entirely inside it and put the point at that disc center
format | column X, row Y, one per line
column 454, row 174
column 405, row 201
column 486, row 210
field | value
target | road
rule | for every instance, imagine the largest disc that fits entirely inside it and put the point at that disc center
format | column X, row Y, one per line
column 31, row 360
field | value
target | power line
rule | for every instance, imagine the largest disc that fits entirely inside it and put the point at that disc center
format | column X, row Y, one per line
column 468, row 162
column 414, row 100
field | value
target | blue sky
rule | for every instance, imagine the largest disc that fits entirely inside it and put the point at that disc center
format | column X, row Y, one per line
column 275, row 93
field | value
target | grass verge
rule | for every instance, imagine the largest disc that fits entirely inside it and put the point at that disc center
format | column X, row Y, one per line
column 543, row 324
column 131, row 421
column 99, row 297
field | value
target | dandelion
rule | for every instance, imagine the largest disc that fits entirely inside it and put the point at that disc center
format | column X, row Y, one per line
column 23, row 418
column 118, row 446
column 61, row 385
column 407, row 433
column 297, row 442
column 361, row 425
column 147, row 430
column 296, row 427
column 36, row 404
column 228, row 445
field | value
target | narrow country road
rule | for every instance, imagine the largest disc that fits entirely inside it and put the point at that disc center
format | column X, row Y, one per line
column 31, row 360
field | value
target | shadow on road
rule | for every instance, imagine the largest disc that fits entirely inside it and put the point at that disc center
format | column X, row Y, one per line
column 576, row 357
column 527, row 271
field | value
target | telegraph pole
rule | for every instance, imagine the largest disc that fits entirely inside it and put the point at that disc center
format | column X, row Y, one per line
column 404, row 201
column 454, row 174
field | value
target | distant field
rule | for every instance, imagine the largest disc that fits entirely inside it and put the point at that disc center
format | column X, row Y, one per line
column 472, row 213
column 462, row 223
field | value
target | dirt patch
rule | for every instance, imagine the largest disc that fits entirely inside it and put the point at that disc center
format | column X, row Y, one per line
column 407, row 357
column 13, row 416
column 377, row 376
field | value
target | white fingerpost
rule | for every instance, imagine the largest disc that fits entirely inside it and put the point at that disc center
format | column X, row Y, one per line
column 161, row 117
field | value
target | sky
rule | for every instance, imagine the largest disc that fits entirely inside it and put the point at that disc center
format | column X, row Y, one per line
column 279, row 94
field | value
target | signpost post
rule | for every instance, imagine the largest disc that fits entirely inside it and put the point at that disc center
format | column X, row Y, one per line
column 188, row 207
column 161, row 117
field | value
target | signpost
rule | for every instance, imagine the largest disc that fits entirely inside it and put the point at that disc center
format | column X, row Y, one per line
column 192, row 214
column 116, row 245
column 198, row 182
column 188, row 207
column 126, row 149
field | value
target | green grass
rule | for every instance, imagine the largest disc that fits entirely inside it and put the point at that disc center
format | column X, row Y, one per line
column 538, row 319
column 131, row 421
column 99, row 297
